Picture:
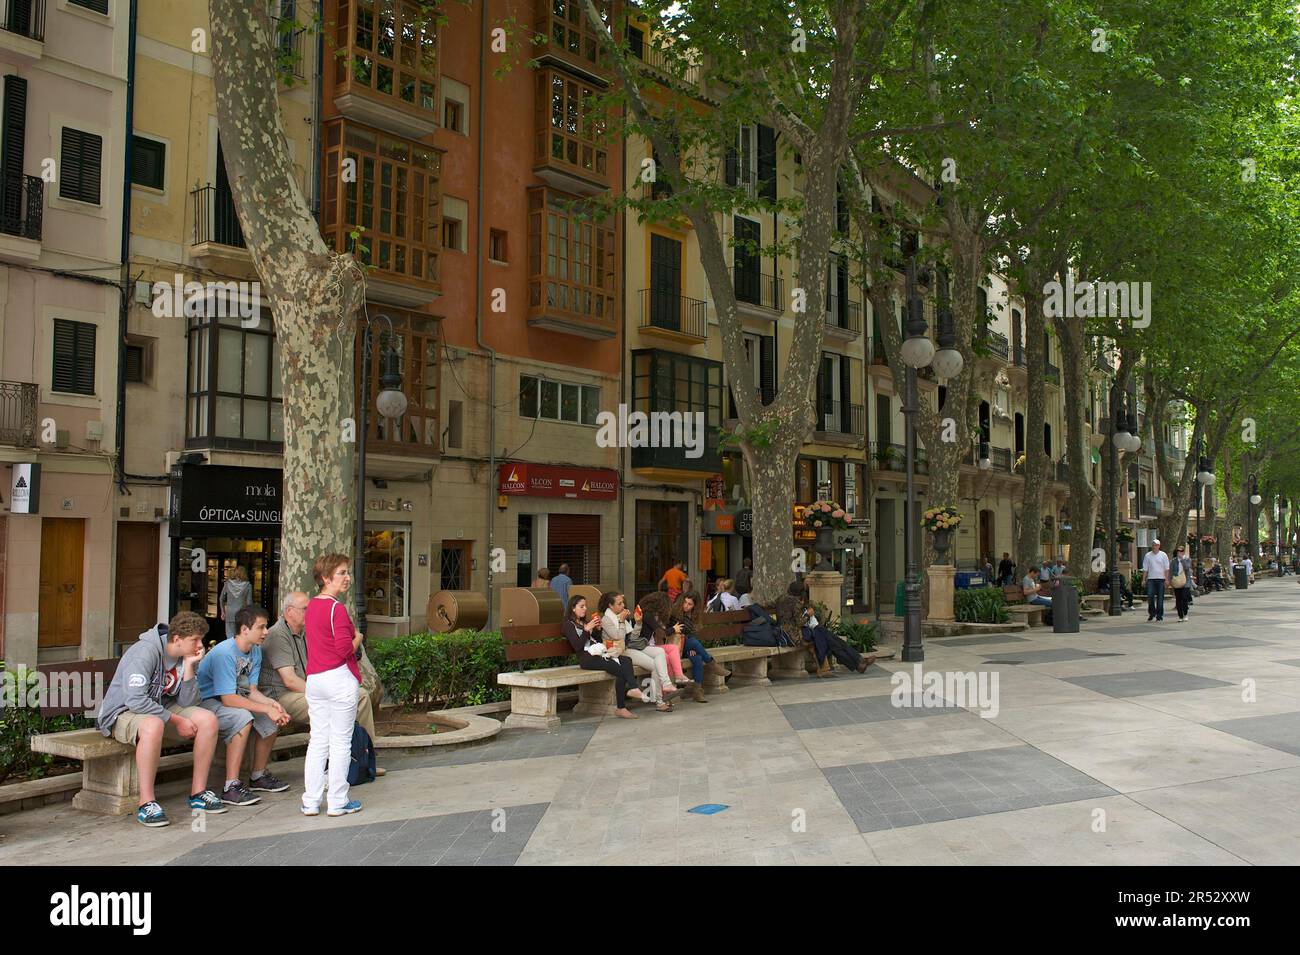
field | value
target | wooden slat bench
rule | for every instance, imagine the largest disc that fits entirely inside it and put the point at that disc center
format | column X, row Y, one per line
column 1032, row 613
column 534, row 694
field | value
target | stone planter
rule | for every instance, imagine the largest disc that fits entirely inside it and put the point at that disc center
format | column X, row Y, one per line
column 824, row 545
column 941, row 539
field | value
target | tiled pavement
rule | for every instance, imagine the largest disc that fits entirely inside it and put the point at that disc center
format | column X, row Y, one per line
column 1125, row 743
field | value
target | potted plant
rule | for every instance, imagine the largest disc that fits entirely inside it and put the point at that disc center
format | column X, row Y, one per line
column 826, row 517
column 940, row 521
column 1124, row 535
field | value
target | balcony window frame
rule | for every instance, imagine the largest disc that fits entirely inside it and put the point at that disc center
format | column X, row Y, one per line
column 359, row 69
column 203, row 380
column 566, row 119
column 418, row 211
column 553, row 217
column 533, row 387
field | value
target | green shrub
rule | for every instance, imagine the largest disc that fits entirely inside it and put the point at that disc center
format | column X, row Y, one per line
column 1135, row 583
column 980, row 605
column 19, row 723
column 451, row 669
column 860, row 636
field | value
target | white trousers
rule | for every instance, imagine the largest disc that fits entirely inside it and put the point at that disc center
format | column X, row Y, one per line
column 656, row 661
column 332, row 709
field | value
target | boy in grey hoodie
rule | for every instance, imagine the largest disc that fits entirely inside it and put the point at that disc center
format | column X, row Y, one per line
column 153, row 696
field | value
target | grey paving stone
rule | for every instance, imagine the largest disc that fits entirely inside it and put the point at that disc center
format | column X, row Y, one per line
column 454, row 839
column 972, row 784
column 868, row 709
column 1280, row 731
column 1144, row 682
column 1218, row 643
column 1290, row 663
column 569, row 740
column 1055, row 655
column 976, row 641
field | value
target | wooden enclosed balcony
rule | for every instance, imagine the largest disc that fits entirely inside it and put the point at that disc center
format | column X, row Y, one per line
column 572, row 267
column 385, row 64
column 388, row 215
column 567, row 36
column 570, row 151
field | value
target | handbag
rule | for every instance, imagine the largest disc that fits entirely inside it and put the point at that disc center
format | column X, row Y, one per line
column 1179, row 581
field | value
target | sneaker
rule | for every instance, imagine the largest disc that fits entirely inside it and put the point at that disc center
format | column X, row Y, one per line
column 311, row 812
column 352, row 806
column 151, row 814
column 236, row 795
column 207, row 801
column 266, row 783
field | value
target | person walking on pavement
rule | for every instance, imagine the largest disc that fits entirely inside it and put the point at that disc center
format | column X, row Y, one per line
column 1155, row 574
column 1006, row 570
column 1182, row 582
column 561, row 583
column 676, row 578
column 236, row 594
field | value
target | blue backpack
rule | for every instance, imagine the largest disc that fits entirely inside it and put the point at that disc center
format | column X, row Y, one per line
column 361, row 768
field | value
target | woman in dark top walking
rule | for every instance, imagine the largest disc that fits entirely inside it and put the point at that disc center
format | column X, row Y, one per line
column 594, row 654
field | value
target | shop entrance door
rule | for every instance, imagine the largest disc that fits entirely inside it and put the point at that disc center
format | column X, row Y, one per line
column 202, row 565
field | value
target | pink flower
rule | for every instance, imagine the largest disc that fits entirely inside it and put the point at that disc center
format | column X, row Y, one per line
column 837, row 514
column 826, row 507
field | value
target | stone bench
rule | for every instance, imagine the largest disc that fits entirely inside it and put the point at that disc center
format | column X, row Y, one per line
column 109, row 781
column 534, row 694
column 1032, row 613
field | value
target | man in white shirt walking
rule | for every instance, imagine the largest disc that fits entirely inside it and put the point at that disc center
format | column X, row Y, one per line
column 1155, row 573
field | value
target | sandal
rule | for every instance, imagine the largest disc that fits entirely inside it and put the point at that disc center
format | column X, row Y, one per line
column 664, row 708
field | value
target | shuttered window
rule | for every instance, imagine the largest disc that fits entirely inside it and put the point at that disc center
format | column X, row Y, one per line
column 148, row 160
column 74, row 357
column 79, row 166
column 99, row 6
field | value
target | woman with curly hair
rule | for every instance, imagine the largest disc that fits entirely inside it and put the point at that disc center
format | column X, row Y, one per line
column 685, row 623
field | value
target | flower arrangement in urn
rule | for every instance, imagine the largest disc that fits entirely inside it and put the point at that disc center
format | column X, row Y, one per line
column 1209, row 539
column 942, row 518
column 826, row 515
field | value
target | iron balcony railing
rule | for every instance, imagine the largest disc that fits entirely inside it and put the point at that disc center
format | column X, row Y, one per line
column 676, row 313
column 840, row 417
column 879, row 356
column 844, row 314
column 215, row 219
column 757, row 288
column 893, row 457
column 18, row 414
column 1176, row 454
column 1053, row 373
column 672, row 67
column 996, row 343
column 25, row 17
column 1062, row 471
column 1020, row 355
column 290, row 47
column 22, row 203
column 1000, row 458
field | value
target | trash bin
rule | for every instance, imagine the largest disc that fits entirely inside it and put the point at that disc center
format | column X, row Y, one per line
column 1065, row 608
column 900, row 599
column 1239, row 576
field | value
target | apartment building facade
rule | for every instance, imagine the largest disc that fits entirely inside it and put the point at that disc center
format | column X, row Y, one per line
column 64, row 66
column 485, row 291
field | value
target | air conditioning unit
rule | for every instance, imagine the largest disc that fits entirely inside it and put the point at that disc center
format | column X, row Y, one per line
column 143, row 292
column 94, row 431
column 62, row 439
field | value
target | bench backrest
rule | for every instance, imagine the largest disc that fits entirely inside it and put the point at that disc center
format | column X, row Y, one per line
column 535, row 642
column 75, row 687
column 716, row 627
column 1013, row 593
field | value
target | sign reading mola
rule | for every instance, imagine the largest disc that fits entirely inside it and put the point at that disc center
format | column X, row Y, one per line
column 209, row 499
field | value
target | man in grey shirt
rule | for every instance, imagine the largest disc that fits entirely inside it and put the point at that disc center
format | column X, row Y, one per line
column 154, row 696
column 284, row 667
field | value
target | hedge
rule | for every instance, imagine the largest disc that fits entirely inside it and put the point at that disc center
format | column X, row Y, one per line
column 980, row 605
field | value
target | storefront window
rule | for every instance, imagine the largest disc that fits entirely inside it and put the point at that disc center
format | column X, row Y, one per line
column 386, row 563
column 661, row 540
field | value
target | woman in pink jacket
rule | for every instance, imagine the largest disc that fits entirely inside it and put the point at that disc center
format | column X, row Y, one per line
column 333, row 679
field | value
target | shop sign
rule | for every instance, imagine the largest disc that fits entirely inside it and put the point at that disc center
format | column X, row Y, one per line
column 211, row 499
column 715, row 492
column 719, row 522
column 745, row 523
column 544, row 480
column 25, row 492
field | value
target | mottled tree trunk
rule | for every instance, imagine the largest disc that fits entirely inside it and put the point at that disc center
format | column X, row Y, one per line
column 1078, row 451
column 1028, row 541
column 313, row 292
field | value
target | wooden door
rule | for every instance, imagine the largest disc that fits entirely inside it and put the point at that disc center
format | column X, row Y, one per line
column 136, row 595
column 63, row 541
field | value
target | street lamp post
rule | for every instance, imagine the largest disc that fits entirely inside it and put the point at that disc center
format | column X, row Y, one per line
column 1252, row 524
column 1122, row 438
column 1204, row 478
column 391, row 403
column 918, row 352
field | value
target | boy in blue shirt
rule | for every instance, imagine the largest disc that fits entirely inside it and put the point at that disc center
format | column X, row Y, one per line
column 228, row 684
